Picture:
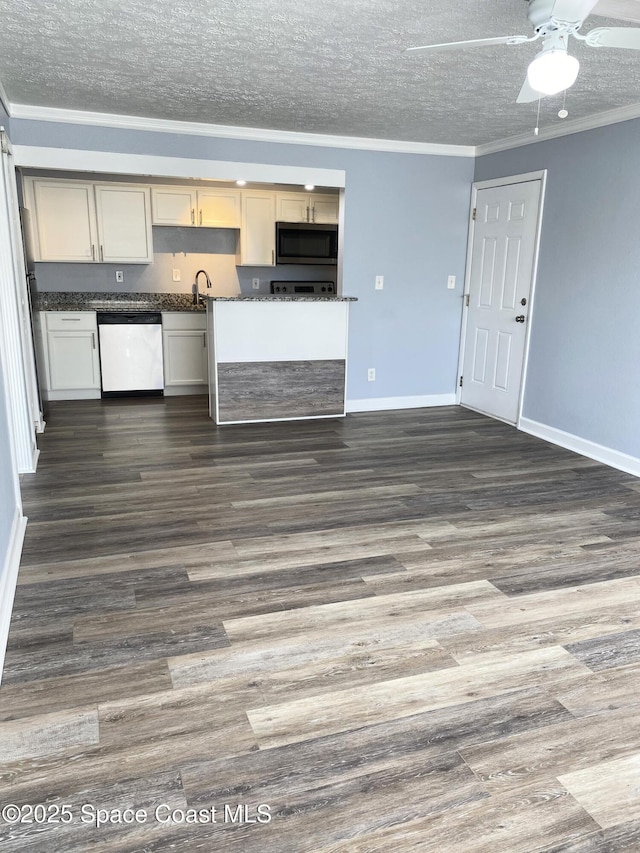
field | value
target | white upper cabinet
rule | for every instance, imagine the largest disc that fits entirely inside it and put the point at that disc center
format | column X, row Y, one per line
column 258, row 229
column 124, row 224
column 292, row 208
column 82, row 222
column 219, row 208
column 324, row 209
column 299, row 207
column 210, row 208
column 173, row 205
column 64, row 221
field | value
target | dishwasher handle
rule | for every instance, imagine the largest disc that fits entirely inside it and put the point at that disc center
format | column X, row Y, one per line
column 127, row 318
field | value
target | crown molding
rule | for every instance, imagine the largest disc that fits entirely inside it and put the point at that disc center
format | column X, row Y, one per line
column 578, row 125
column 252, row 134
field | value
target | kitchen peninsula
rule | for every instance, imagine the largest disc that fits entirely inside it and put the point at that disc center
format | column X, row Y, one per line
column 277, row 357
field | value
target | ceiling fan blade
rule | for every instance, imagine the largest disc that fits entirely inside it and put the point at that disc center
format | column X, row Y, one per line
column 572, row 11
column 455, row 45
column 622, row 10
column 614, row 37
column 527, row 94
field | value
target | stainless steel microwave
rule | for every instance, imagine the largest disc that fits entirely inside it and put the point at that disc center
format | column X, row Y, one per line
column 306, row 243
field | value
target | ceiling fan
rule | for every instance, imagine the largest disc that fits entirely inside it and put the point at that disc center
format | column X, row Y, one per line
column 554, row 21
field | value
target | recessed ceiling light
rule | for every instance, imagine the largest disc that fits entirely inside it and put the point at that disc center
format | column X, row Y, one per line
column 309, row 187
column 241, row 183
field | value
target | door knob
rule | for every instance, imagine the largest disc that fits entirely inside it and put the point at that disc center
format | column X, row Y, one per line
column 520, row 318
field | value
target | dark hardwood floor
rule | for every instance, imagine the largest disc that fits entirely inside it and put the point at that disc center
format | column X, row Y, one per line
column 402, row 632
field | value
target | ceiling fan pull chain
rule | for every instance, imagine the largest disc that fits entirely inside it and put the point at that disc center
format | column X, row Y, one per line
column 536, row 129
column 564, row 112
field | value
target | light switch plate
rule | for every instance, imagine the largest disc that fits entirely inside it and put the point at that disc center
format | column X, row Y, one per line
column 176, row 275
column 451, row 282
column 255, row 283
column 119, row 276
column 379, row 282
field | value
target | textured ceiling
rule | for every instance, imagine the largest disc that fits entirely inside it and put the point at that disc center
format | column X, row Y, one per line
column 327, row 66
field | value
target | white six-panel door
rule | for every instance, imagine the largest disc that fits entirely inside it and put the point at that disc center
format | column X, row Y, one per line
column 501, row 275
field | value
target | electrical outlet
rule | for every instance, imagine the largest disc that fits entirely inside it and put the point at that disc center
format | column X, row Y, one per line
column 451, row 282
column 379, row 282
column 119, row 276
column 176, row 275
column 371, row 374
column 255, row 283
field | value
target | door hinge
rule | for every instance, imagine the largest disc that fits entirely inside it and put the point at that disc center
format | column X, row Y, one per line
column 461, row 381
column 467, row 299
column 474, row 213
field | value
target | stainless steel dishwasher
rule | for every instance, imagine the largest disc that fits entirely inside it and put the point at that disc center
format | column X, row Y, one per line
column 131, row 353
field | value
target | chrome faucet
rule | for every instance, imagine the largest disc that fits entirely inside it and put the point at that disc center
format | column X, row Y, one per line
column 196, row 292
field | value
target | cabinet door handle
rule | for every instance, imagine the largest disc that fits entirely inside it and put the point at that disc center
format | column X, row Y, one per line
column 193, row 216
column 313, row 214
column 101, row 253
column 93, row 340
column 273, row 257
column 93, row 252
column 70, row 319
column 308, row 216
column 200, row 216
column 204, row 339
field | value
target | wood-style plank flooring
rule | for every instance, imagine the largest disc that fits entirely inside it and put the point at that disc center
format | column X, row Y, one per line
column 401, row 632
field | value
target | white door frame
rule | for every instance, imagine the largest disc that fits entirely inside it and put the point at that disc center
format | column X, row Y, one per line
column 484, row 185
column 15, row 343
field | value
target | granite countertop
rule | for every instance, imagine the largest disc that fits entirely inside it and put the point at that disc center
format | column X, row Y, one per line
column 272, row 298
column 75, row 301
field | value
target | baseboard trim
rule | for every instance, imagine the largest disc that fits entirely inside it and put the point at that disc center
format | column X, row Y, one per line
column 9, row 579
column 606, row 455
column 382, row 404
column 34, row 462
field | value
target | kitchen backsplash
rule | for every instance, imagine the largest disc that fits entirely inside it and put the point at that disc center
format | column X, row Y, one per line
column 183, row 249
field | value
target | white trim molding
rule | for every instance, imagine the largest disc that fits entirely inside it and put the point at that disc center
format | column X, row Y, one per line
column 13, row 325
column 28, row 112
column 606, row 455
column 9, row 579
column 565, row 128
column 252, row 134
column 382, row 404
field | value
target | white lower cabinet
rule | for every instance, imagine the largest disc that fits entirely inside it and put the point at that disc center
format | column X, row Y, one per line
column 71, row 368
column 72, row 361
column 185, row 353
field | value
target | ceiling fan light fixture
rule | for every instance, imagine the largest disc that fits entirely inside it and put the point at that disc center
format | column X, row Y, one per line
column 552, row 71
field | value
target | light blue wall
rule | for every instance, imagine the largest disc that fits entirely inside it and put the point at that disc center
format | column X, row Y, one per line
column 405, row 218
column 585, row 344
